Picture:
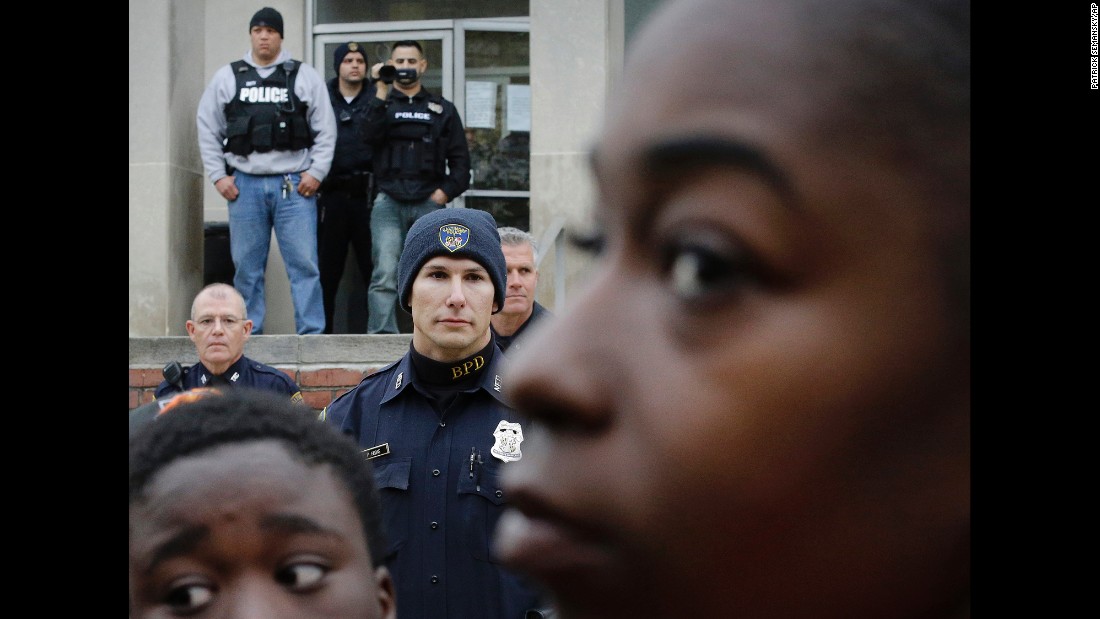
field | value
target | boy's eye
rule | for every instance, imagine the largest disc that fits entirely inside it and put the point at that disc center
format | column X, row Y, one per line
column 301, row 576
column 189, row 598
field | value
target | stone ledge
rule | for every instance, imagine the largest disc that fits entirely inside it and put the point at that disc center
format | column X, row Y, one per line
column 280, row 350
column 352, row 349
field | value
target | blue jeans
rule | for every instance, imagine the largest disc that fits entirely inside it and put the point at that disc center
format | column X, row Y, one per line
column 259, row 208
column 389, row 223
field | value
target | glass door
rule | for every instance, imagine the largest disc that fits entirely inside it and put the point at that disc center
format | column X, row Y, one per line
column 483, row 66
column 496, row 111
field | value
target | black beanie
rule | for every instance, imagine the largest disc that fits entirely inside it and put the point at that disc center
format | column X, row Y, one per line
column 344, row 50
column 456, row 232
column 267, row 16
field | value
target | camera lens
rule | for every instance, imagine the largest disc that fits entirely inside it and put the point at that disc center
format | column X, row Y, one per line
column 386, row 73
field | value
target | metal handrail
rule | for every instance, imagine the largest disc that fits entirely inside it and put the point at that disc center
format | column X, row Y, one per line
column 554, row 235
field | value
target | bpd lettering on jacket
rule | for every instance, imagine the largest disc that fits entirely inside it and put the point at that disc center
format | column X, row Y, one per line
column 473, row 365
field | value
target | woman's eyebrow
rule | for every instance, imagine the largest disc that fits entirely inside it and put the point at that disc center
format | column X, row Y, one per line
column 679, row 155
column 664, row 160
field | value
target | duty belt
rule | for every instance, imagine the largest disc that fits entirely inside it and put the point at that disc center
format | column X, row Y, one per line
column 355, row 184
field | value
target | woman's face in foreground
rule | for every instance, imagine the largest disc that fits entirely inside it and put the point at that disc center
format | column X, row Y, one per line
column 760, row 403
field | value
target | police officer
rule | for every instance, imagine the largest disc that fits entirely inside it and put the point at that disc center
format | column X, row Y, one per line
column 520, row 310
column 219, row 330
column 344, row 203
column 421, row 162
column 266, row 135
column 438, row 430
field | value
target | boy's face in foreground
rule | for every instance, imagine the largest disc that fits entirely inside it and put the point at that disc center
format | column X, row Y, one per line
column 760, row 404
column 248, row 530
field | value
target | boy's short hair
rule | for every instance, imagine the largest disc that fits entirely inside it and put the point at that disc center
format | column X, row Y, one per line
column 245, row 415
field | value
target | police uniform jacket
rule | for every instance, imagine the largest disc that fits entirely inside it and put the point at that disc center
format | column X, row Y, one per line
column 351, row 163
column 419, row 145
column 508, row 342
column 244, row 373
column 439, row 507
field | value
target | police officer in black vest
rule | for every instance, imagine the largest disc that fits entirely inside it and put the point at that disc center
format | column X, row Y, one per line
column 266, row 133
column 344, row 203
column 421, row 162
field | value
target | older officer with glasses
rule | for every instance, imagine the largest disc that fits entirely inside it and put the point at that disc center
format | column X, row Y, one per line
column 219, row 329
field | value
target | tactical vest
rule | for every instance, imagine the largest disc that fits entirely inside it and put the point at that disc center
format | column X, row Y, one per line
column 410, row 141
column 265, row 114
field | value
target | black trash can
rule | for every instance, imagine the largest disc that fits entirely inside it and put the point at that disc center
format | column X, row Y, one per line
column 217, row 261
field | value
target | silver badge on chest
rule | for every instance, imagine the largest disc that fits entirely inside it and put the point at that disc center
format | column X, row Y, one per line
column 506, row 440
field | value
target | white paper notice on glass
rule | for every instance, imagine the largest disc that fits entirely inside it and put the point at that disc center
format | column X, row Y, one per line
column 519, row 107
column 481, row 105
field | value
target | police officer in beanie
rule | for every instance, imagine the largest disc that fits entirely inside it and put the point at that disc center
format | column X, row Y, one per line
column 421, row 162
column 266, row 136
column 344, row 203
column 438, row 429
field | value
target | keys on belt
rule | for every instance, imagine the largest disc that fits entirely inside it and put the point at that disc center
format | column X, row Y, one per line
column 287, row 186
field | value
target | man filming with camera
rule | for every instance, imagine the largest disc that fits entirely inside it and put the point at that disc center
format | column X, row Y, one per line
column 421, row 162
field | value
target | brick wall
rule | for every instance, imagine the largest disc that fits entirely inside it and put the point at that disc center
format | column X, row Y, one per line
column 324, row 366
column 319, row 386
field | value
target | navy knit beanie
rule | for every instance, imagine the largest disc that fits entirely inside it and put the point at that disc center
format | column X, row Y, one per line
column 458, row 233
column 267, row 16
column 344, row 50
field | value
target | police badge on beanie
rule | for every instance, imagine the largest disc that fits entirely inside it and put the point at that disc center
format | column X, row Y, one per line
column 267, row 16
column 343, row 50
column 458, row 233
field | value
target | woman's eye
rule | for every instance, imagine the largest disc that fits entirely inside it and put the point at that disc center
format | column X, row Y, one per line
column 189, row 598
column 695, row 271
column 589, row 242
column 301, row 576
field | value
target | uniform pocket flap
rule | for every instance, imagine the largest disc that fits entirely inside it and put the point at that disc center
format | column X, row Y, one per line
column 393, row 474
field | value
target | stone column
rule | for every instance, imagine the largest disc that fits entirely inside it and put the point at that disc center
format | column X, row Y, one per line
column 165, row 184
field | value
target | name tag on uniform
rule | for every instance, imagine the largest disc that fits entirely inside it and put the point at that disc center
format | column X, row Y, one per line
column 376, row 451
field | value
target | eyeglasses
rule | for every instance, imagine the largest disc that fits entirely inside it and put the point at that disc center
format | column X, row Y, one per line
column 228, row 322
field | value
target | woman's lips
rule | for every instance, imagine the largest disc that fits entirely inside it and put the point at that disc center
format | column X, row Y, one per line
column 548, row 549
